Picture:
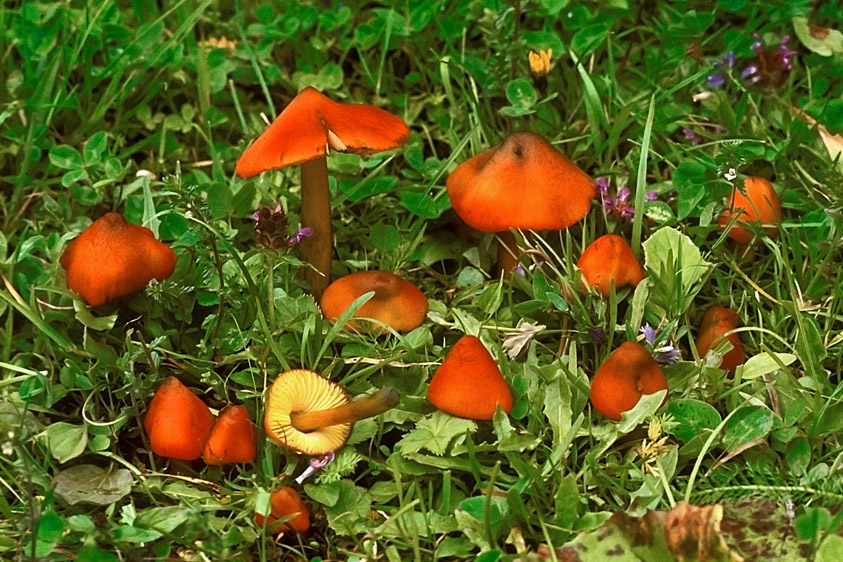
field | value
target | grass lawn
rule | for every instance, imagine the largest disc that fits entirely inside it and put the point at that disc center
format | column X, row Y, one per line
column 708, row 136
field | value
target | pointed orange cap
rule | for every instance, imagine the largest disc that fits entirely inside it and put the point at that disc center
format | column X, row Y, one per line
column 397, row 303
column 624, row 377
column 523, row 182
column 311, row 122
column 113, row 258
column 285, row 502
column 759, row 204
column 233, row 438
column 177, row 422
column 469, row 383
column 610, row 258
column 715, row 323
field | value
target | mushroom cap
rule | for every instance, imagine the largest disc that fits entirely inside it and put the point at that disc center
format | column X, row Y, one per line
column 301, row 390
column 627, row 374
column 469, row 383
column 177, row 422
column 113, row 258
column 715, row 323
column 759, row 204
column 523, row 182
column 311, row 122
column 285, row 501
column 233, row 438
column 397, row 303
column 610, row 258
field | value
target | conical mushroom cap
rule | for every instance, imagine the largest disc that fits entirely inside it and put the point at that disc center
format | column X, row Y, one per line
column 715, row 323
column 610, row 258
column 301, row 390
column 233, row 438
column 113, row 258
column 523, row 182
column 396, row 302
column 469, row 383
column 629, row 372
column 177, row 422
column 311, row 122
column 760, row 204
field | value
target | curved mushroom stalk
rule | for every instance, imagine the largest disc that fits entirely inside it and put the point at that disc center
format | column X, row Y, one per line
column 366, row 407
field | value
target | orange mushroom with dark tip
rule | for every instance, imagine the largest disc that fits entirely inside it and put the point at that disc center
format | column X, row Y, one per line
column 469, row 383
column 607, row 259
column 396, row 302
column 523, row 182
column 113, row 258
column 303, row 133
column 758, row 203
column 716, row 323
column 628, row 373
column 285, row 502
column 233, row 438
column 177, row 422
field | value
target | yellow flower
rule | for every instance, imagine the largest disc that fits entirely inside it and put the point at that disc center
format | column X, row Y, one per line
column 540, row 62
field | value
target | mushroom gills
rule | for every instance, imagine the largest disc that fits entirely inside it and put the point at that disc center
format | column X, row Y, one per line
column 366, row 407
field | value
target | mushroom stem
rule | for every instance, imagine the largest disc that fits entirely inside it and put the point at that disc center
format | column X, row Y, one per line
column 508, row 253
column 366, row 407
column 316, row 214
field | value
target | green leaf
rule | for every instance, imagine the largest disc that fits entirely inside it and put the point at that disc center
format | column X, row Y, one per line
column 436, row 433
column 97, row 323
column 763, row 364
column 87, row 483
column 94, row 147
column 557, row 407
column 831, row 549
column 162, row 519
column 692, row 416
column 821, row 40
column 49, row 533
column 747, row 424
column 521, row 93
column 66, row 441
column 646, row 407
column 65, row 157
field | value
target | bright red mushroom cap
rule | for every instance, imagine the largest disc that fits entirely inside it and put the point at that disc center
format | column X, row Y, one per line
column 177, row 422
column 113, row 258
column 628, row 373
column 311, row 122
column 759, row 204
column 233, row 438
column 523, row 182
column 610, row 258
column 469, row 383
column 285, row 502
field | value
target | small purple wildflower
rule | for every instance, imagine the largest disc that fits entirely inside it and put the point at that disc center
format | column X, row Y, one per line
column 649, row 333
column 597, row 334
column 272, row 228
column 618, row 204
column 316, row 464
column 299, row 235
column 664, row 355
column 651, row 196
column 770, row 67
column 723, row 65
column 692, row 136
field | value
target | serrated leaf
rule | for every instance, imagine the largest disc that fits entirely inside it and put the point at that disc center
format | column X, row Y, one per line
column 436, row 433
column 90, row 484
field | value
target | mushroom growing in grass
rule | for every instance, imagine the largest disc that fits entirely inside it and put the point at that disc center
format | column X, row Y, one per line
column 523, row 182
column 757, row 203
column 312, row 415
column 396, row 302
column 177, row 422
column 308, row 128
column 624, row 377
column 113, row 258
column 716, row 323
column 607, row 259
column 285, row 502
column 469, row 383
column 233, row 438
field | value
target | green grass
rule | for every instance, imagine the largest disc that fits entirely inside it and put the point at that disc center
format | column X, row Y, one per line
column 93, row 93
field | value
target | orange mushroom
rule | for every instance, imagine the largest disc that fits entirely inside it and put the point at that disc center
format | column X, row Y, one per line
column 607, row 259
column 628, row 373
column 523, row 182
column 716, row 322
column 396, row 302
column 177, row 422
column 757, row 203
column 469, row 383
column 285, row 502
column 113, row 258
column 232, row 438
column 302, row 134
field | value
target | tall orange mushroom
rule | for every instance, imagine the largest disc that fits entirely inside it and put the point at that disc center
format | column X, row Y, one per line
column 607, row 259
column 177, row 422
column 233, row 438
column 396, row 302
column 628, row 373
column 523, row 182
column 716, row 322
column 758, row 203
column 469, row 383
column 303, row 133
column 113, row 258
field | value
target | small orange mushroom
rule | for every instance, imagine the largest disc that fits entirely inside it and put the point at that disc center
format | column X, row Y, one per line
column 607, row 259
column 757, row 203
column 396, row 302
column 469, row 383
column 177, row 422
column 113, row 258
column 716, row 322
column 628, row 373
column 285, row 502
column 232, row 438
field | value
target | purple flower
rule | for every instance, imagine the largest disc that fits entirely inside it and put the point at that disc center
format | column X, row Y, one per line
column 597, row 334
column 725, row 63
column 300, row 233
column 619, row 203
column 715, row 80
column 667, row 355
column 316, row 464
column 649, row 333
column 652, row 195
column 770, row 67
column 692, row 136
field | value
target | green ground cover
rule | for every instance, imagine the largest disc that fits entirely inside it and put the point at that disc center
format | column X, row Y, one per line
column 144, row 108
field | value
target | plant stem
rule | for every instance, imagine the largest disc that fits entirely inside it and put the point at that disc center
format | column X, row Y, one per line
column 316, row 214
column 366, row 407
column 508, row 253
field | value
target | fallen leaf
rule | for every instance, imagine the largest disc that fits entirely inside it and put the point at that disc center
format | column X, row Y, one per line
column 87, row 483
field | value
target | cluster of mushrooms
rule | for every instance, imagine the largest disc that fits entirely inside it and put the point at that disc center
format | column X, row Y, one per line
column 539, row 188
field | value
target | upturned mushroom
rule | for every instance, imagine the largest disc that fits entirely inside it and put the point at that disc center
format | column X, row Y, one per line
column 469, row 383
column 113, row 258
column 608, row 259
column 305, row 131
column 396, row 302
column 312, row 415
column 758, row 203
column 285, row 502
column 523, row 182
column 177, row 422
column 715, row 328
column 232, row 439
column 628, row 373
